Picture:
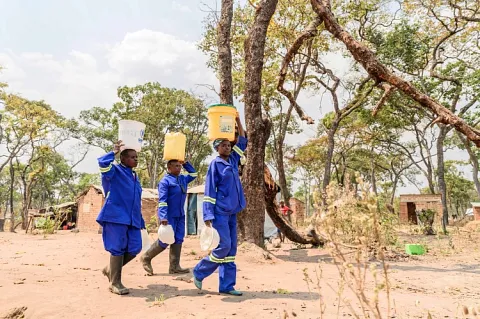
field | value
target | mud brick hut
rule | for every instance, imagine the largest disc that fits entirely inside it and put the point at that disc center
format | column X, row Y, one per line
column 298, row 208
column 91, row 200
column 410, row 203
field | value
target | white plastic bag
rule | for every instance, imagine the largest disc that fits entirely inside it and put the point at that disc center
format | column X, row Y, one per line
column 166, row 234
column 209, row 239
column 146, row 243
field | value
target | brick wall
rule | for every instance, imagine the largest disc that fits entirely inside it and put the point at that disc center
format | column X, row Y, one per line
column 298, row 208
column 476, row 213
column 427, row 201
column 89, row 205
column 149, row 209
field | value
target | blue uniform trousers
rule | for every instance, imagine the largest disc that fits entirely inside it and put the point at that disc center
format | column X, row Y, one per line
column 178, row 225
column 119, row 239
column 223, row 256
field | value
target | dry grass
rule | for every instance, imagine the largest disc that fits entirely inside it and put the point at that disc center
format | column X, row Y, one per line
column 357, row 233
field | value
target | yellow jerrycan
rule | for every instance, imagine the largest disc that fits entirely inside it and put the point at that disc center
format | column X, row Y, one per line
column 221, row 121
column 174, row 147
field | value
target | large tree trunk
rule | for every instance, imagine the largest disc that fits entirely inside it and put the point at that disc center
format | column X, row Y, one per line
column 225, row 52
column 258, row 127
column 441, row 175
column 380, row 73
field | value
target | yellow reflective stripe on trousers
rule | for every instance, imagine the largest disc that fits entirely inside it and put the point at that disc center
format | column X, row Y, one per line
column 162, row 204
column 106, row 169
column 228, row 259
column 210, row 200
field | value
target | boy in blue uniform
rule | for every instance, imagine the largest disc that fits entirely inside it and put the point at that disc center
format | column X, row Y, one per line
column 120, row 216
column 223, row 199
column 172, row 193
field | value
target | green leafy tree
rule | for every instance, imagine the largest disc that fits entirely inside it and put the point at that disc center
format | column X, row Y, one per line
column 163, row 110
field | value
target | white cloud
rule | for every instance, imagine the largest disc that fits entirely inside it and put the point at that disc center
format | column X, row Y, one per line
column 82, row 80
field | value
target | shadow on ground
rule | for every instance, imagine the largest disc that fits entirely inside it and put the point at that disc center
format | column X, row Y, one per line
column 301, row 256
column 469, row 269
column 156, row 292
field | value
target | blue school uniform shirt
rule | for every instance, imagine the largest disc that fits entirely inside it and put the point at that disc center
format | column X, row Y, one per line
column 223, row 190
column 123, row 194
column 172, row 193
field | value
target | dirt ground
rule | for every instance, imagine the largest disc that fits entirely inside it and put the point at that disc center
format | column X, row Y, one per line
column 59, row 277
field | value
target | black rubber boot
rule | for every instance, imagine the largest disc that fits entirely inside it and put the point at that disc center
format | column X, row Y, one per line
column 126, row 259
column 175, row 251
column 116, row 264
column 147, row 257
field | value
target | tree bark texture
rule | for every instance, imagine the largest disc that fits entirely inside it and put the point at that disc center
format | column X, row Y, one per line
column 258, row 127
column 225, row 52
column 442, row 186
column 380, row 73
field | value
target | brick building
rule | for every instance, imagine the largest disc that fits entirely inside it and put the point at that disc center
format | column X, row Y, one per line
column 91, row 200
column 411, row 203
column 476, row 210
column 298, row 208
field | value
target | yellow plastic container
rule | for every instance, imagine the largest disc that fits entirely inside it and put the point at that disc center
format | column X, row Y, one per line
column 174, row 148
column 221, row 121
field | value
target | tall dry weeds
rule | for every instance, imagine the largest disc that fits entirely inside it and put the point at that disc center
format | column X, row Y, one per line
column 358, row 231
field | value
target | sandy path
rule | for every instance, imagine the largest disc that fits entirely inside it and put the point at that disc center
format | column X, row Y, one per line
column 59, row 277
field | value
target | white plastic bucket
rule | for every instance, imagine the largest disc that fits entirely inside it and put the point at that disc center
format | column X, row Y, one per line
column 166, row 234
column 146, row 243
column 131, row 133
column 209, row 239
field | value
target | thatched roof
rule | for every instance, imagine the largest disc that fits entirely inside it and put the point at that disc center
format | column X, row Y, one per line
column 58, row 207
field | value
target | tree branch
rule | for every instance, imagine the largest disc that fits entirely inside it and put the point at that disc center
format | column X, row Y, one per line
column 388, row 90
column 380, row 73
column 310, row 32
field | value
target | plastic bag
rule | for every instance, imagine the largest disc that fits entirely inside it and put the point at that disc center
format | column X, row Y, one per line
column 146, row 242
column 209, row 239
column 166, row 234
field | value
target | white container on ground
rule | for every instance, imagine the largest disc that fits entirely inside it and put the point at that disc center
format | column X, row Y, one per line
column 131, row 133
column 146, row 243
column 209, row 239
column 166, row 234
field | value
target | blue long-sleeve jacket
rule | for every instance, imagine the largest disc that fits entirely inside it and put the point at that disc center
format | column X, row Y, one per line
column 172, row 193
column 123, row 194
column 223, row 189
